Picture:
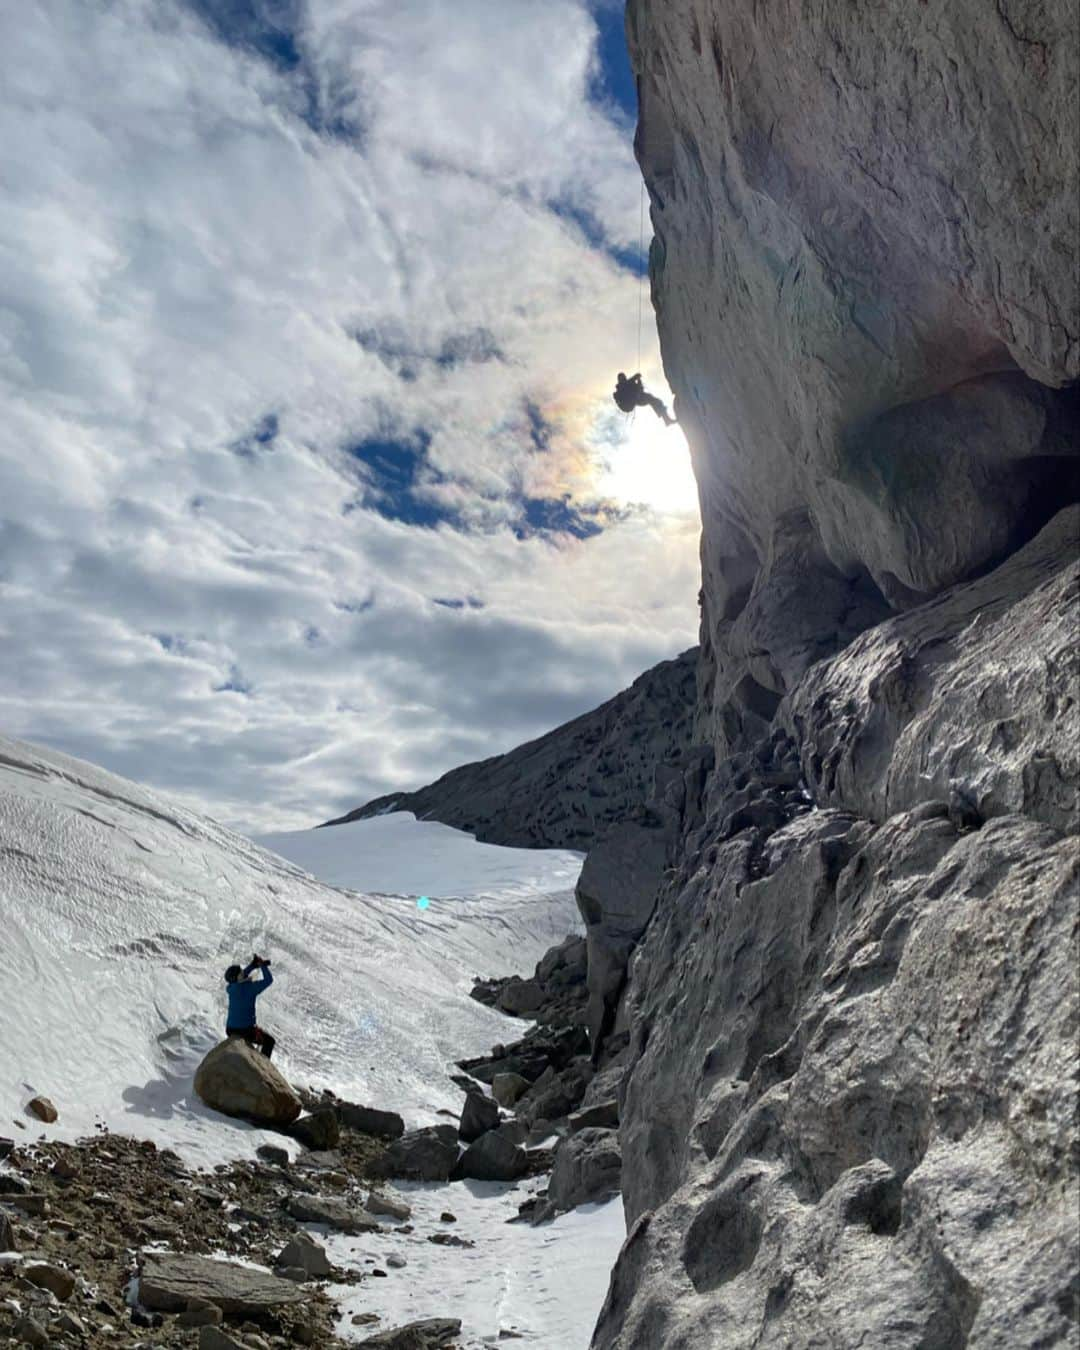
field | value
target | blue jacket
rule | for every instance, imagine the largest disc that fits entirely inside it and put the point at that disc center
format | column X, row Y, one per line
column 242, row 995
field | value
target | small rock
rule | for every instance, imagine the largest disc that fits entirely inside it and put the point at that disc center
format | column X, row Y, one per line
column 10, row 1184
column 297, row 1274
column 74, row 1326
column 7, row 1235
column 396, row 1262
column 213, row 1338
column 449, row 1240
column 56, row 1279
column 43, row 1109
column 66, row 1167
column 393, row 1207
column 28, row 1332
column 145, row 1319
column 31, row 1203
column 272, row 1154
column 380, row 1274
column 200, row 1312
column 447, row 1217
column 7, row 1147
column 432, row 1334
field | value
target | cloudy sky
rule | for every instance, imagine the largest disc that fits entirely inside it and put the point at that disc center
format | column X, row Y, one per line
column 310, row 482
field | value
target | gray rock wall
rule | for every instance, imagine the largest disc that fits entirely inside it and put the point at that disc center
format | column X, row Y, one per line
column 569, row 787
column 848, row 1112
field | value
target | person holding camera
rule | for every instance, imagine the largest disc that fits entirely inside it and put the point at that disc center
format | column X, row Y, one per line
column 242, row 993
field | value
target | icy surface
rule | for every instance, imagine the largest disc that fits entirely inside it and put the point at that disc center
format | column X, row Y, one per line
column 544, row 1284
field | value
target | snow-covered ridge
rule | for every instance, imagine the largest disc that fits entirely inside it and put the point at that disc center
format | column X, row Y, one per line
column 121, row 909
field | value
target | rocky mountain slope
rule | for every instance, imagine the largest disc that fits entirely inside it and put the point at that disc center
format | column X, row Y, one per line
column 566, row 788
column 837, row 962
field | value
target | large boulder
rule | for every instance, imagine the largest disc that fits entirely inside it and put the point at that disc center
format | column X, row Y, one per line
column 493, row 1157
column 588, row 1166
column 168, row 1282
column 239, row 1081
column 428, row 1154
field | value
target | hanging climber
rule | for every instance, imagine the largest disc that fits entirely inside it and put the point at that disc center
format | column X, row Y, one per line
column 242, row 995
column 630, row 394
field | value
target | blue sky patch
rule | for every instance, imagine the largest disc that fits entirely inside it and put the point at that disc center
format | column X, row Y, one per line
column 396, row 472
column 554, row 515
column 614, row 80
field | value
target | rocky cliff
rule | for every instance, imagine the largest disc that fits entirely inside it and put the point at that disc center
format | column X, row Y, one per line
column 845, row 1003
column 567, row 788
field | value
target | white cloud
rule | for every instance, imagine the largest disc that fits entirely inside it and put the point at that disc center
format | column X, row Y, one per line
column 186, row 265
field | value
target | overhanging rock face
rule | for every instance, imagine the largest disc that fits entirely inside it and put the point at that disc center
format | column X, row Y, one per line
column 848, row 1116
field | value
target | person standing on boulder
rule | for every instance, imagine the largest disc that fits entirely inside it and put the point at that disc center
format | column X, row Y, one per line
column 242, row 995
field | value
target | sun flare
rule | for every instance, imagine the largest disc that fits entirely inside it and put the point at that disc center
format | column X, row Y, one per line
column 649, row 466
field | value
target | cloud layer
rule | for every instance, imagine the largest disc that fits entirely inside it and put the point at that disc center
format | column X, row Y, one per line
column 308, row 320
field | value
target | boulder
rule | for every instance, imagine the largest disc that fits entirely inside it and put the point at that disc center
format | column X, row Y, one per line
column 168, row 1282
column 604, row 1116
column 303, row 1251
column 390, row 1205
column 271, row 1153
column 7, row 1147
column 492, row 1157
column 43, row 1109
column 433, row 1334
column 519, row 997
column 333, row 1213
column 478, row 1115
column 320, row 1131
column 587, row 1167
column 506, row 1088
column 237, row 1080
column 368, row 1120
column 55, row 1279
column 428, row 1154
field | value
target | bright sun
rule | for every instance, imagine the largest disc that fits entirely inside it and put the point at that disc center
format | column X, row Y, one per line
column 650, row 467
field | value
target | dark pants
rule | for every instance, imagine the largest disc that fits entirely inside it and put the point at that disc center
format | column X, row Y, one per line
column 261, row 1040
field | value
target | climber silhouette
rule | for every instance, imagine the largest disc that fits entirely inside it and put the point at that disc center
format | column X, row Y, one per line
column 630, row 394
column 242, row 995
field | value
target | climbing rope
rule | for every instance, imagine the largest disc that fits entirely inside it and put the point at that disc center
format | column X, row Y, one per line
column 641, row 276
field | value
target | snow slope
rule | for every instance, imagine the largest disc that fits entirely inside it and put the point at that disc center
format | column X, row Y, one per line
column 119, row 911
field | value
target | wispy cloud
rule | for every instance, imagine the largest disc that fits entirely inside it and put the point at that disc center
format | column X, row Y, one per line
column 301, row 332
